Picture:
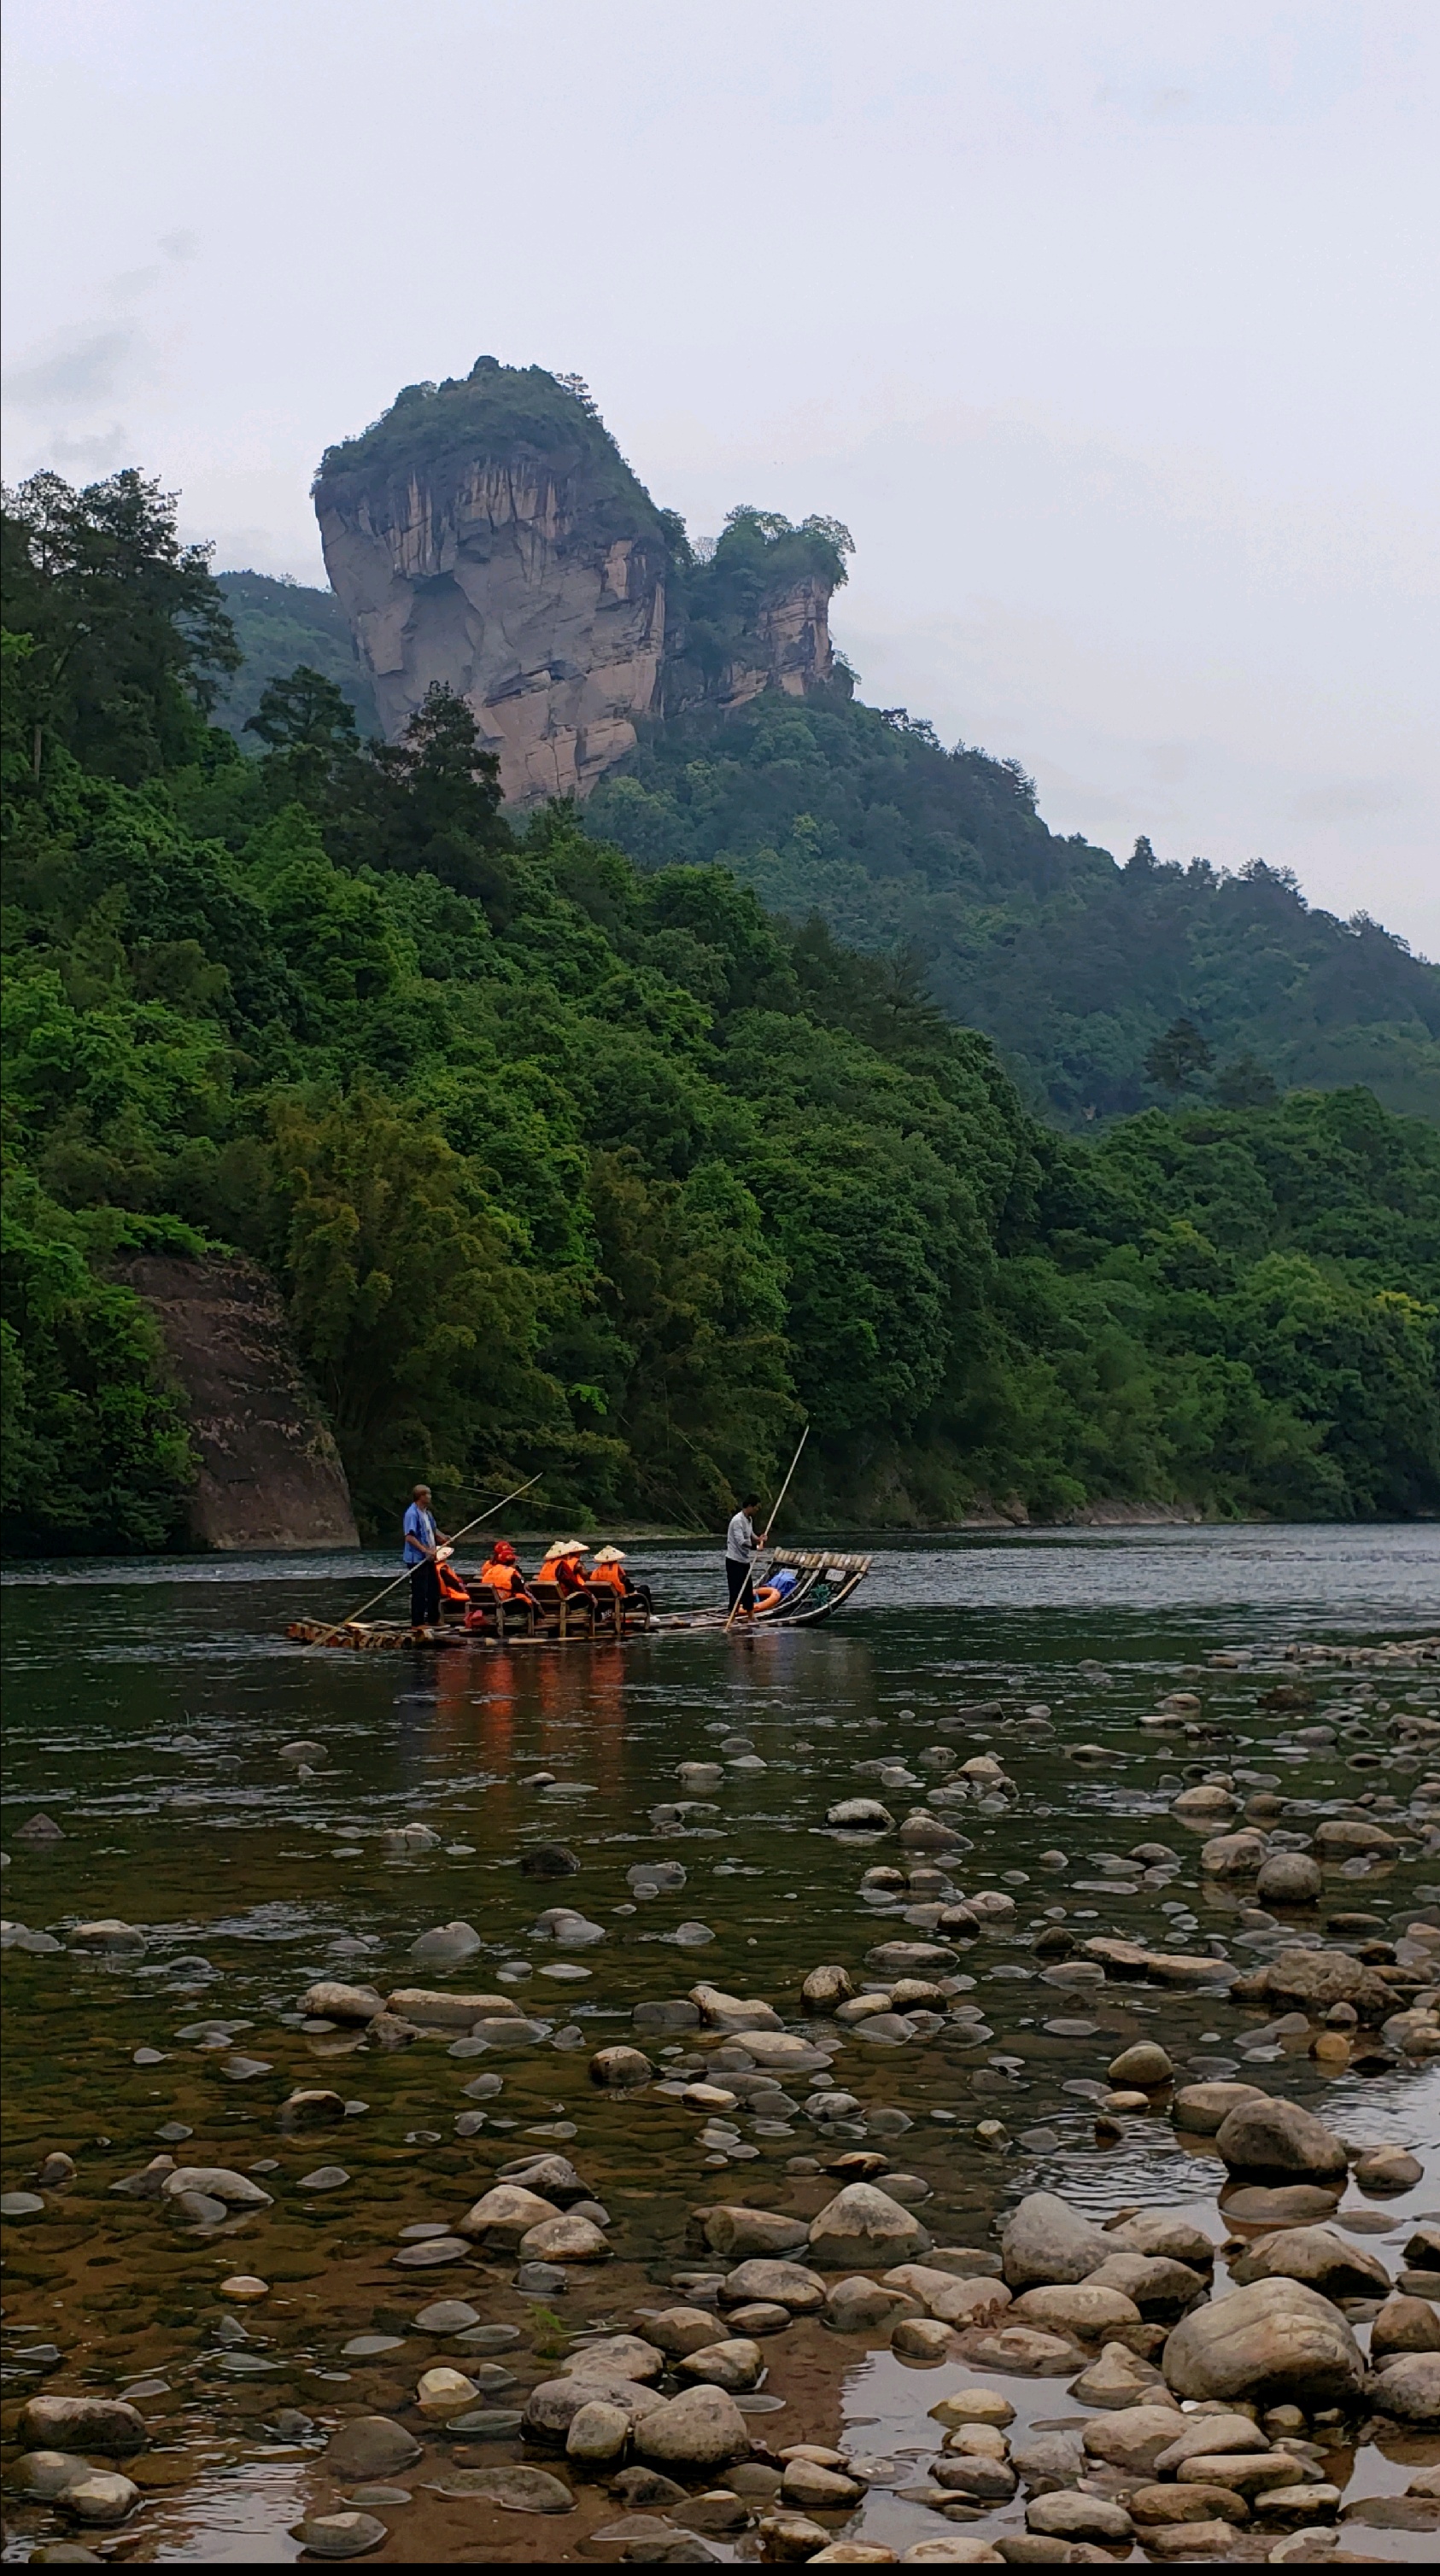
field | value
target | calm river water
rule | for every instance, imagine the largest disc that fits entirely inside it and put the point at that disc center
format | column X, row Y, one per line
column 147, row 1705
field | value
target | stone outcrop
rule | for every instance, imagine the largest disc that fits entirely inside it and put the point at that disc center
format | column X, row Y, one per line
column 270, row 1473
column 488, row 536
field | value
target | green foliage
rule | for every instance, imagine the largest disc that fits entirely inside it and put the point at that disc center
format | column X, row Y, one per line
column 493, row 413
column 572, row 1166
column 281, row 624
column 1074, row 966
column 130, row 641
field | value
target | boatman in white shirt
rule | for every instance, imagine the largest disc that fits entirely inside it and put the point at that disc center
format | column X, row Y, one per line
column 741, row 1549
column 422, row 1540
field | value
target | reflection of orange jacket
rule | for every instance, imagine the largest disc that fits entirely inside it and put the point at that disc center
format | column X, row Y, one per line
column 501, row 1576
column 613, row 1575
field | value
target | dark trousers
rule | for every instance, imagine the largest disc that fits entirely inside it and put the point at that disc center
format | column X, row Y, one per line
column 425, row 1594
column 741, row 1581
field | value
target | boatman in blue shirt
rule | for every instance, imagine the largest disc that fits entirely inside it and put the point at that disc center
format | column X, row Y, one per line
column 421, row 1542
column 741, row 1549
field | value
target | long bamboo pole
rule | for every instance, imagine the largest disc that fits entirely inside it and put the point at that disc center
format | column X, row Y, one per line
column 771, row 1515
column 404, row 1577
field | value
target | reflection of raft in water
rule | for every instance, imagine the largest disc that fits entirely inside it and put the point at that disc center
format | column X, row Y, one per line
column 824, row 1582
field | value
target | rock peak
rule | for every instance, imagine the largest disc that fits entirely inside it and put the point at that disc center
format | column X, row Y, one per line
column 488, row 535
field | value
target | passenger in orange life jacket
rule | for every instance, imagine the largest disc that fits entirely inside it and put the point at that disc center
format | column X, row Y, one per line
column 608, row 1571
column 501, row 1572
column 561, row 1564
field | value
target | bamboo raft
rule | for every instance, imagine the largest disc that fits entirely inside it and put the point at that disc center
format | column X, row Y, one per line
column 825, row 1581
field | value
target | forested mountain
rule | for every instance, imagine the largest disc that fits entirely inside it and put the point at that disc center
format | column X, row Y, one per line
column 1078, row 968
column 569, row 1165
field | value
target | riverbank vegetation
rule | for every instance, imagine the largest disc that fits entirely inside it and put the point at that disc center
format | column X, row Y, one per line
column 573, row 1165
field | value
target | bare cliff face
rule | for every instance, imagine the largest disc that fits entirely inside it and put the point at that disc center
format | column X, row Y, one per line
column 489, row 536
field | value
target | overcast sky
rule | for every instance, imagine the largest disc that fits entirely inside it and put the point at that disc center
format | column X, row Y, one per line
column 1108, row 326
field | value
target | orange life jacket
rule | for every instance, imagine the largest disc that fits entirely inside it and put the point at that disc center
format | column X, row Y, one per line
column 451, row 1587
column 613, row 1575
column 566, row 1573
column 501, row 1576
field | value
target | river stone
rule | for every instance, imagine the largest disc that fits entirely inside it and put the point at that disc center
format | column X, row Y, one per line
column 1158, row 2286
column 702, row 2428
column 514, row 2489
column 678, row 2330
column 549, row 1860
column 1206, row 2436
column 720, row 2011
column 217, row 2182
column 1075, row 2308
column 312, row 2106
column 825, row 1987
column 736, row 2364
column 104, row 2424
column 922, row 2339
column 1275, row 2343
column 572, row 2239
column 42, row 2474
column 1312, row 1981
column 733, row 2231
column 1147, row 2064
column 861, row 1815
column 619, row 2356
column 1343, row 1837
column 432, row 2008
column 863, row 2225
column 109, row 1934
column 1201, row 2108
column 1160, row 2233
column 98, row 2496
column 1289, row 1878
column 1382, row 2169
column 1133, row 2438
column 504, row 2215
column 1119, row 2378
column 551, row 2408
column 787, row 2285
column 956, row 2299
column 620, row 2068
column 1275, row 2138
column 447, row 1945
column 339, row 2535
column 1045, row 2242
column 857, row 2306
column 1324, row 2260
column 1404, row 2325
column 567, row 1929
column 1188, row 2504
column 599, row 2432
column 1067, row 2516
column 1026, row 2350
column 39, row 1829
column 1408, row 2389
column 370, row 2446
column 552, row 2176
column 433, row 2251
column 1233, row 1855
column 1049, row 2460
column 910, row 1959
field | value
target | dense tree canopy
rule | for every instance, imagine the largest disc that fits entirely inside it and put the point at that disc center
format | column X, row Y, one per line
column 572, row 1166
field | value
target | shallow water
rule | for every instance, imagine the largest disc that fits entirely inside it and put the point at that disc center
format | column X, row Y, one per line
column 146, row 1706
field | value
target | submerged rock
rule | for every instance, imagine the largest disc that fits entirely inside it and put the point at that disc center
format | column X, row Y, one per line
column 105, row 2424
column 370, row 2446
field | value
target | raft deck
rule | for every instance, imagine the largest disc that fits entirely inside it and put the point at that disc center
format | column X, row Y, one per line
column 825, row 1582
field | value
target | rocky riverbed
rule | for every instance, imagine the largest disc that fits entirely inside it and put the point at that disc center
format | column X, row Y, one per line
column 852, row 2100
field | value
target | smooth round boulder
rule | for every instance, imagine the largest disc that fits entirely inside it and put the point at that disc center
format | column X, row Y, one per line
column 100, row 2496
column 1321, row 2257
column 1383, row 2169
column 1404, row 2324
column 1273, row 2343
column 571, row 2239
column 599, row 2433
column 1077, row 2309
column 733, row 2231
column 1146, row 2065
column 108, row 2425
column 1276, row 2141
column 1045, row 2242
column 702, row 2428
column 786, row 2285
column 736, row 2364
column 1408, row 2389
column 447, row 1946
column 860, row 1815
column 548, row 1860
column 863, row 2227
column 1233, row 1855
column 501, row 2217
column 1067, row 2516
column 826, row 1987
column 1201, row 2108
column 1289, row 1878
column 339, row 2535
column 370, row 2446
